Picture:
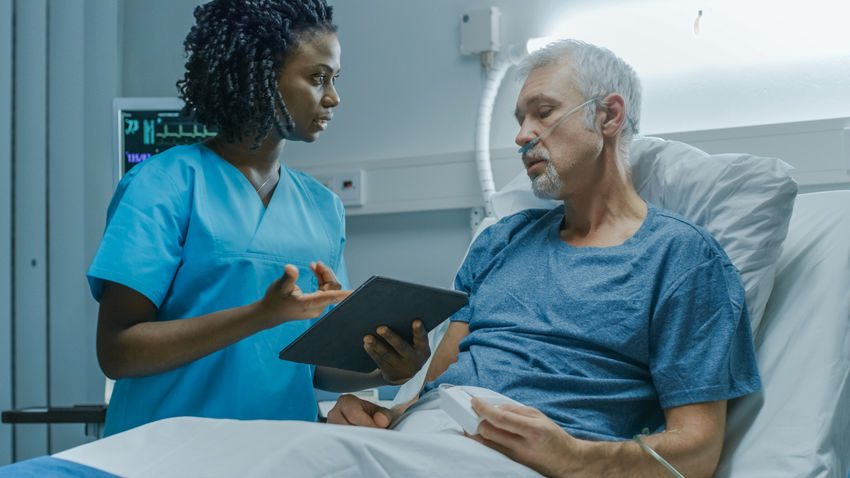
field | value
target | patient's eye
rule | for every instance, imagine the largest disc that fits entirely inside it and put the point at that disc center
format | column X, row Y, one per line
column 544, row 112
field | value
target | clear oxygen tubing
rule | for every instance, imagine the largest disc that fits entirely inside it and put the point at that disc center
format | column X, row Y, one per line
column 485, row 114
column 655, row 455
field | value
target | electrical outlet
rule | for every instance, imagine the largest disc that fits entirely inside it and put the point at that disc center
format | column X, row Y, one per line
column 348, row 185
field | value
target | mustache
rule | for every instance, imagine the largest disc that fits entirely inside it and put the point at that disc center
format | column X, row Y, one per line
column 536, row 153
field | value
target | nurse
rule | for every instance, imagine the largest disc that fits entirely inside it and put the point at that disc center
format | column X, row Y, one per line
column 213, row 252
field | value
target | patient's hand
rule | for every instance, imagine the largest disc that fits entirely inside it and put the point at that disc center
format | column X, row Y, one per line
column 351, row 410
column 525, row 435
column 400, row 360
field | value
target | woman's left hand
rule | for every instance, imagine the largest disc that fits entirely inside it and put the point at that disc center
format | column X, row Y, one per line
column 397, row 359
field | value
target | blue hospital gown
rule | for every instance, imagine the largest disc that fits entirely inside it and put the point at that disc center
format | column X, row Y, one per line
column 602, row 340
column 187, row 230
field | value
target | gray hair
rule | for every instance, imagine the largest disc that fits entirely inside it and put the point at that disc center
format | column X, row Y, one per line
column 598, row 73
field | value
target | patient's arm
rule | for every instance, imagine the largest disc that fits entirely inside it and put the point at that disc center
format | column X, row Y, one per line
column 351, row 410
column 447, row 350
column 692, row 443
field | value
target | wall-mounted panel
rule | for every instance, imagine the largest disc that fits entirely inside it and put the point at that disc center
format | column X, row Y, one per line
column 30, row 222
column 6, row 29
column 819, row 150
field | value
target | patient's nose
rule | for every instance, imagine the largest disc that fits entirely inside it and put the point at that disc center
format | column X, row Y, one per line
column 526, row 133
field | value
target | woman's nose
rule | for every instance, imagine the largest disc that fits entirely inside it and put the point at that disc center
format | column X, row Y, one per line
column 331, row 97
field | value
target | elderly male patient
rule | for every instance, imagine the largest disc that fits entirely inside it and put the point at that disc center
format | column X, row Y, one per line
column 606, row 315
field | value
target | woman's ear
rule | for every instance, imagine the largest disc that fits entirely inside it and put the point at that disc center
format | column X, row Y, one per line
column 614, row 114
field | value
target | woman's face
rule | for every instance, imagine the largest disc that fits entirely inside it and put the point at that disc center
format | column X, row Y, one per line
column 306, row 82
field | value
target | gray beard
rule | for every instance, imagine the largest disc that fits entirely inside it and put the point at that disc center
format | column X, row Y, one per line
column 547, row 185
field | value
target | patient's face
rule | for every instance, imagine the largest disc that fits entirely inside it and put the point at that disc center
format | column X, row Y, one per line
column 568, row 151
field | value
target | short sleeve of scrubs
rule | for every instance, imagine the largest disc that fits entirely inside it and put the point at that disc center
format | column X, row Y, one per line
column 145, row 231
column 700, row 340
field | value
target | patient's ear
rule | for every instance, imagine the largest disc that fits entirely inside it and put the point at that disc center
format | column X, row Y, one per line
column 613, row 114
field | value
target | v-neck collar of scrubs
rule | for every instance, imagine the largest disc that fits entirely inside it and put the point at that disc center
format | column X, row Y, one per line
column 247, row 184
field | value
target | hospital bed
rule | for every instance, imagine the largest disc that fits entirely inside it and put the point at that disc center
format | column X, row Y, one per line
column 794, row 255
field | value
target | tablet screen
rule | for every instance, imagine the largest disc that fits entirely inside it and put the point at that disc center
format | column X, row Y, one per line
column 336, row 340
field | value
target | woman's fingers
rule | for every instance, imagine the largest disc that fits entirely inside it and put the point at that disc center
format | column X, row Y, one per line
column 420, row 337
column 378, row 350
column 326, row 276
column 285, row 301
column 351, row 410
column 397, row 358
column 396, row 342
column 290, row 276
column 400, row 347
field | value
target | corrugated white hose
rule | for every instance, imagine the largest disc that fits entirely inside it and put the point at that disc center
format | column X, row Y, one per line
column 482, row 130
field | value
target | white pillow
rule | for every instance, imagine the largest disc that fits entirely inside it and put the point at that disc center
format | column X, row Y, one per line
column 744, row 201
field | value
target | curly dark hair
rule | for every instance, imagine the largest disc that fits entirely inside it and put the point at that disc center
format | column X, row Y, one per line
column 234, row 53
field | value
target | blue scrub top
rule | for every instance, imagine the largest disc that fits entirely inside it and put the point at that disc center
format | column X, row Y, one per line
column 187, row 229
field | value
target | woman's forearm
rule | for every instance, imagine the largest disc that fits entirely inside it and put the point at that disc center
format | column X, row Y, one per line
column 151, row 347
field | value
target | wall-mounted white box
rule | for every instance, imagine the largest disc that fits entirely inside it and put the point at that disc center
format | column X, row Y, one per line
column 479, row 30
column 348, row 185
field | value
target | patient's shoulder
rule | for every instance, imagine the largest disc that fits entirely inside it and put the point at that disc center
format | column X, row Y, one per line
column 676, row 225
column 681, row 237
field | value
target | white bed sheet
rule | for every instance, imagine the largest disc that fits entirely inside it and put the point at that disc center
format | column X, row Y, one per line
column 428, row 444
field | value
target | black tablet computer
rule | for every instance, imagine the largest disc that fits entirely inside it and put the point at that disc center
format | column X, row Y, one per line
column 336, row 340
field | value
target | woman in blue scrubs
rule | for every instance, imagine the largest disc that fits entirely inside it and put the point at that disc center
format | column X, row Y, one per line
column 214, row 252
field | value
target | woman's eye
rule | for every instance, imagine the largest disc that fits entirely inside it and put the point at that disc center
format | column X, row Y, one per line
column 319, row 78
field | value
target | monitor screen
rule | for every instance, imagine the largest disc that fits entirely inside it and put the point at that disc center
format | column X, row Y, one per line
column 147, row 126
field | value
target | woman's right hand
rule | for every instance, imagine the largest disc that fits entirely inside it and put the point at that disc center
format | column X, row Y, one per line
column 285, row 301
column 352, row 410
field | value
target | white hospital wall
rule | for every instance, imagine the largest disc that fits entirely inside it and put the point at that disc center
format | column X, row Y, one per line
column 407, row 91
column 407, row 95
